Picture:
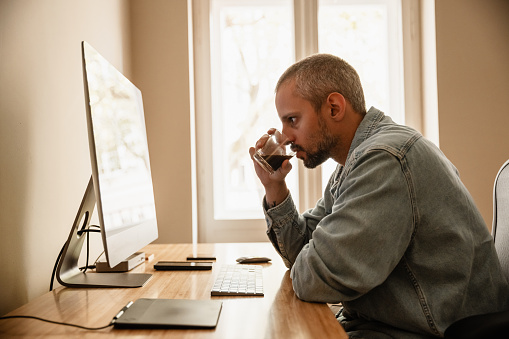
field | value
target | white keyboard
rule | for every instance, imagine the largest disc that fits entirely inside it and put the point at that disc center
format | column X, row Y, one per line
column 239, row 280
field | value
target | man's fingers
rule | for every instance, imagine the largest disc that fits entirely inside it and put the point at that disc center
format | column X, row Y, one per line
column 262, row 141
column 286, row 167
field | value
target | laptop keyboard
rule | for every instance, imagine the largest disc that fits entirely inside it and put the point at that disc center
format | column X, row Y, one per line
column 239, row 280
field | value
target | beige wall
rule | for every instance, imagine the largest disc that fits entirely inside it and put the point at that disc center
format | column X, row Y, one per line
column 43, row 140
column 472, row 38
column 161, row 71
column 45, row 164
column 160, row 66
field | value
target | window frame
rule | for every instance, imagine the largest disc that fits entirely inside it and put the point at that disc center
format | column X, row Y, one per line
column 310, row 180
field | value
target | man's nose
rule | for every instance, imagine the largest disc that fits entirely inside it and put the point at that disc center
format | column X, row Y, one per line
column 289, row 135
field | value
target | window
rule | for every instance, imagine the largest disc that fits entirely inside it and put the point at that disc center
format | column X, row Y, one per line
column 251, row 44
column 241, row 47
column 368, row 36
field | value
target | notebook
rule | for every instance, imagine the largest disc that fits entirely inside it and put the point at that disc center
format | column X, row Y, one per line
column 169, row 313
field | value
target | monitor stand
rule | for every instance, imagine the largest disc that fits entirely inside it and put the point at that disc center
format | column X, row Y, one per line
column 68, row 272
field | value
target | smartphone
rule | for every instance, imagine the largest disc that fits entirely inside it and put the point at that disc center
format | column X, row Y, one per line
column 182, row 265
column 201, row 257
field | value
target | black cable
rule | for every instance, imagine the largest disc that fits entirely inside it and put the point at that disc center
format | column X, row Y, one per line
column 62, row 250
column 55, row 268
column 58, row 323
column 88, row 248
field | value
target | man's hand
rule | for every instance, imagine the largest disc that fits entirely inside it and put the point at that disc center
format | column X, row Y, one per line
column 275, row 186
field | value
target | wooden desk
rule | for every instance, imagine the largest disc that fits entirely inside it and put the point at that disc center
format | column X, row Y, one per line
column 278, row 314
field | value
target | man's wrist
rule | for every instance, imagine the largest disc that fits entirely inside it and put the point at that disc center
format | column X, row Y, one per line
column 271, row 204
column 274, row 197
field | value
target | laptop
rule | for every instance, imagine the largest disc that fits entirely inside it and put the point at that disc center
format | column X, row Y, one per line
column 169, row 313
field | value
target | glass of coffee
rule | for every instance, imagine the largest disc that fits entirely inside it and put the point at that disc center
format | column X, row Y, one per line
column 275, row 151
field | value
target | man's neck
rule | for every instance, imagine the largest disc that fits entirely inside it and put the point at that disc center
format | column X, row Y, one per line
column 347, row 131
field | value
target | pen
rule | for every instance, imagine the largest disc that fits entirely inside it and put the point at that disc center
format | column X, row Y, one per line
column 122, row 311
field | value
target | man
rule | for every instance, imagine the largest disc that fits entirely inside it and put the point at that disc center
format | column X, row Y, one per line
column 396, row 237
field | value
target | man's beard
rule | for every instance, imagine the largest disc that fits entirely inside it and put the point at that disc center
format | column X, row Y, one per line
column 324, row 142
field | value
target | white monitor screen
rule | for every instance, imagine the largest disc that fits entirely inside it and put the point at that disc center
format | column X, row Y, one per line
column 120, row 159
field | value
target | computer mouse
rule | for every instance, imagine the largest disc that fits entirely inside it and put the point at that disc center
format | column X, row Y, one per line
column 252, row 259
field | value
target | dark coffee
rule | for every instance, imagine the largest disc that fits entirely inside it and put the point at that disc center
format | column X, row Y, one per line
column 275, row 161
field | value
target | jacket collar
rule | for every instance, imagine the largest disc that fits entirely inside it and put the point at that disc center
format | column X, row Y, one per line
column 366, row 128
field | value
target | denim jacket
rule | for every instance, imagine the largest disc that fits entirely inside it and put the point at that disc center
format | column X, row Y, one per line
column 396, row 238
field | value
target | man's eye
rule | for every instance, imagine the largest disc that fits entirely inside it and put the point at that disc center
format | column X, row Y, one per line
column 292, row 120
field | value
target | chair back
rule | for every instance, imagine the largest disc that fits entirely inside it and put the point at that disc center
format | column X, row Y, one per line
column 493, row 325
column 500, row 228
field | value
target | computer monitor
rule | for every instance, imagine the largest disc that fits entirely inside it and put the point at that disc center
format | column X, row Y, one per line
column 121, row 181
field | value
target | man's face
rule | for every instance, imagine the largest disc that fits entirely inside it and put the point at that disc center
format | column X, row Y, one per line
column 306, row 129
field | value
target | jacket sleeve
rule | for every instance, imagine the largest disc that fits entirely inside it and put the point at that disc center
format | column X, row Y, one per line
column 344, row 254
column 288, row 231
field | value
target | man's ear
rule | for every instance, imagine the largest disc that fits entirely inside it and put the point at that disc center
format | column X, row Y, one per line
column 336, row 104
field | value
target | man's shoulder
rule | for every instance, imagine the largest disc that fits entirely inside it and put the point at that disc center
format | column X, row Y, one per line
column 379, row 131
column 391, row 137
